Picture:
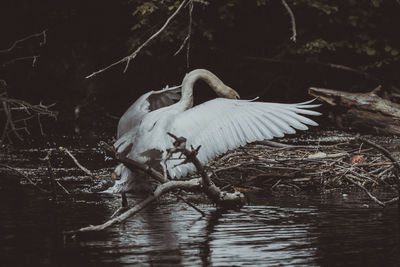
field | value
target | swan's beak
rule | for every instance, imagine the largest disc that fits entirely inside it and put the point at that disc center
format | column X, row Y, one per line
column 232, row 94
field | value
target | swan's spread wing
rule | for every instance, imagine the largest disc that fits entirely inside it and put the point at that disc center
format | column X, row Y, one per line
column 221, row 124
column 146, row 103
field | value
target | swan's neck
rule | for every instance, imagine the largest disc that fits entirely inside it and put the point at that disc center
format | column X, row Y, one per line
column 190, row 79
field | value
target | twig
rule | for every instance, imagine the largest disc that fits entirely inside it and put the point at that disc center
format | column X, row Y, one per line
column 43, row 33
column 26, row 177
column 391, row 201
column 191, row 205
column 275, row 144
column 190, row 185
column 223, row 199
column 187, row 38
column 377, row 201
column 85, row 170
column 292, row 20
column 10, row 105
column 62, row 187
column 385, row 152
column 127, row 59
column 53, row 181
column 51, row 176
column 230, row 155
column 10, row 121
column 33, row 58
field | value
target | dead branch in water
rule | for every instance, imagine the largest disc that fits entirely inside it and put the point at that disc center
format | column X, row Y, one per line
column 395, row 163
column 203, row 184
column 80, row 166
column 26, row 178
column 325, row 164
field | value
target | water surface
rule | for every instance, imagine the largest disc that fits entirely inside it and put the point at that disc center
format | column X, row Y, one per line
column 287, row 231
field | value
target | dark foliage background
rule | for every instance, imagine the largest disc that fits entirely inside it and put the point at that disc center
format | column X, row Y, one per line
column 246, row 43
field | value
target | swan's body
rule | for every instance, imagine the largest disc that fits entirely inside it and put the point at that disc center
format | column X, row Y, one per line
column 218, row 125
column 148, row 102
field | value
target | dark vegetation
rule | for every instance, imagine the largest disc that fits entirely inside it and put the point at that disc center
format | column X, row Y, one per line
column 347, row 45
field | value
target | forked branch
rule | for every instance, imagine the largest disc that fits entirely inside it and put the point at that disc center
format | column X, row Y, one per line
column 204, row 184
column 128, row 59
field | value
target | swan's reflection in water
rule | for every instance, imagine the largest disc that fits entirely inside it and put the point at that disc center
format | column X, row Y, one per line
column 174, row 235
column 276, row 231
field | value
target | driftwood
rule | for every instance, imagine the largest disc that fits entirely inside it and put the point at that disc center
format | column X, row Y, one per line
column 203, row 184
column 366, row 111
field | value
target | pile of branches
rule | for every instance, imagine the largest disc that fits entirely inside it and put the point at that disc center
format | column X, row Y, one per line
column 17, row 113
column 283, row 168
column 278, row 168
column 226, row 200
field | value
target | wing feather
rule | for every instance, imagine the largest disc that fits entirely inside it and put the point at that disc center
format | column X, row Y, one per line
column 223, row 124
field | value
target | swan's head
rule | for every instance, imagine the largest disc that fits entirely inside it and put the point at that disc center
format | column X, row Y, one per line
column 227, row 92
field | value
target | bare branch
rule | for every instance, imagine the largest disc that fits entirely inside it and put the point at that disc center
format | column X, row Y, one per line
column 223, row 199
column 371, row 196
column 53, row 181
column 13, row 126
column 85, row 170
column 191, row 205
column 292, row 20
column 161, row 189
column 385, row 152
column 26, row 177
column 33, row 58
column 186, row 41
column 127, row 59
column 10, row 121
column 43, row 34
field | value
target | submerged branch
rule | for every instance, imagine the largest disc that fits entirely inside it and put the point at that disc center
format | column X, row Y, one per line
column 26, row 178
column 85, row 170
column 204, row 184
column 191, row 185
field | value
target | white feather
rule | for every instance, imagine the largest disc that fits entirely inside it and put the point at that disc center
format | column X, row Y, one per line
column 218, row 125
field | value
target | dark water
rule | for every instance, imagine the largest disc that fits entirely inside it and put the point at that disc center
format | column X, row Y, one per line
column 308, row 231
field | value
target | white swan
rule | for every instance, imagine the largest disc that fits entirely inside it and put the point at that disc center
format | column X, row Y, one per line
column 154, row 100
column 218, row 125
column 148, row 102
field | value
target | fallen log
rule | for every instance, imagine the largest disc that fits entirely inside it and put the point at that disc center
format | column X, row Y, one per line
column 365, row 111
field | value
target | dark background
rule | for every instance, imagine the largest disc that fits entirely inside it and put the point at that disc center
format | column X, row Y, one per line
column 246, row 43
